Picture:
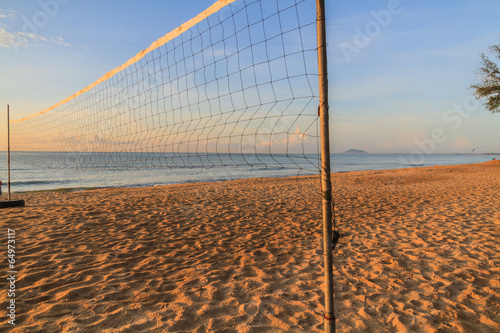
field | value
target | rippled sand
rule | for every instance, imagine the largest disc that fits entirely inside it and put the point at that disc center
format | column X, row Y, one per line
column 419, row 252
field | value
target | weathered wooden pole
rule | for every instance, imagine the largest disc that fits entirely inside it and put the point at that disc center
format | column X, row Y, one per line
column 8, row 151
column 9, row 203
column 326, row 184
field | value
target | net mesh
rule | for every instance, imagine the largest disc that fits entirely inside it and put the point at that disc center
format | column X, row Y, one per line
column 237, row 88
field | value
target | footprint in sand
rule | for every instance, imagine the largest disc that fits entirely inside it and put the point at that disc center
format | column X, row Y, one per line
column 252, row 308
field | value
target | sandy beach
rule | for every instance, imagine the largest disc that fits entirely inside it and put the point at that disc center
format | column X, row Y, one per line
column 419, row 252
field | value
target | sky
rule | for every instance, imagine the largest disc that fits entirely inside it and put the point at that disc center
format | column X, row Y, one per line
column 399, row 70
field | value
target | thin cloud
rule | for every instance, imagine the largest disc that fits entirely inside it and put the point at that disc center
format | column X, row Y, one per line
column 290, row 142
column 23, row 39
column 461, row 142
column 7, row 14
column 12, row 38
column 6, row 38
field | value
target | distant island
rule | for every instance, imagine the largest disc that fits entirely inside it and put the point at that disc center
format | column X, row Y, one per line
column 355, row 151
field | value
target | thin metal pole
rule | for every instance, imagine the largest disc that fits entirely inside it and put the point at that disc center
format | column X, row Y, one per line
column 326, row 184
column 8, row 150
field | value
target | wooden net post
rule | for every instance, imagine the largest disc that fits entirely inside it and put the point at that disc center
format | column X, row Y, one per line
column 8, row 151
column 326, row 185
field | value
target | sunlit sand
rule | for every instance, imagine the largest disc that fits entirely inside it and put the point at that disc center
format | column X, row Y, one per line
column 419, row 252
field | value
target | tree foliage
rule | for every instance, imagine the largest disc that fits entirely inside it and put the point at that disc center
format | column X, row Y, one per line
column 489, row 87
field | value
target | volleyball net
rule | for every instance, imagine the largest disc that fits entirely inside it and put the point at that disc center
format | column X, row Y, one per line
column 237, row 84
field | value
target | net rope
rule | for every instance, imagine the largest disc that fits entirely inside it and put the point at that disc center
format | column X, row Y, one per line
column 235, row 87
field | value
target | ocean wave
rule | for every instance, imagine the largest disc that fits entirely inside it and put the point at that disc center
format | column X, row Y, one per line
column 38, row 182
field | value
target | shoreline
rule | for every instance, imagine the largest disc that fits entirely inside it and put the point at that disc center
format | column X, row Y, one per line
column 418, row 252
column 79, row 189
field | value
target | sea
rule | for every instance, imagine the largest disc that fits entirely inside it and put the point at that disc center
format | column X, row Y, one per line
column 44, row 177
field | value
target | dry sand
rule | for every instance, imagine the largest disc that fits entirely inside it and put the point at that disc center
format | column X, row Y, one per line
column 419, row 253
